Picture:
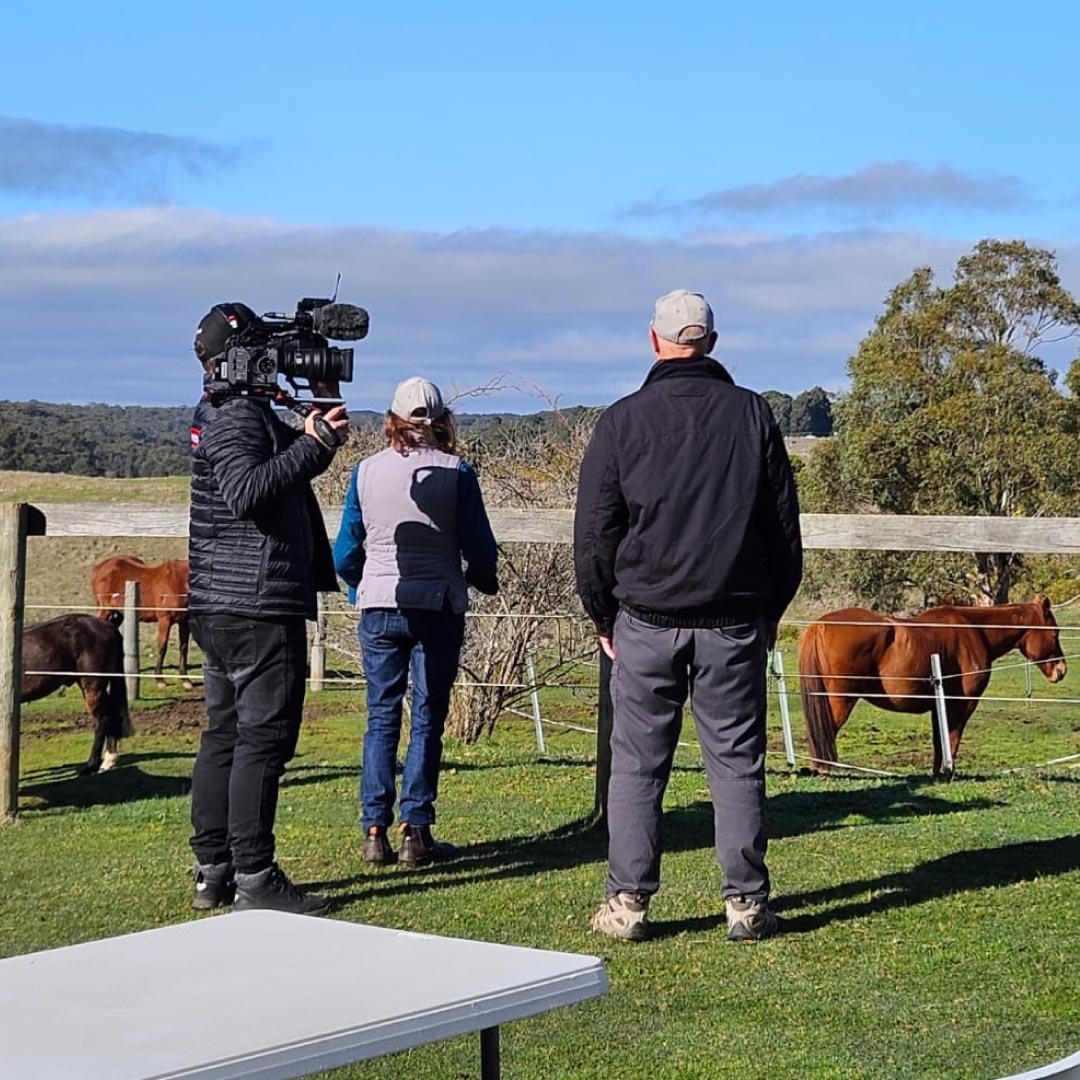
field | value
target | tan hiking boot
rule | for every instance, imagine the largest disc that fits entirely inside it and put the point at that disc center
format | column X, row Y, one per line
column 624, row 915
column 749, row 920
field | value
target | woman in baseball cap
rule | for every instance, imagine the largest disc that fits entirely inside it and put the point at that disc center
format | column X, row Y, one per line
column 413, row 514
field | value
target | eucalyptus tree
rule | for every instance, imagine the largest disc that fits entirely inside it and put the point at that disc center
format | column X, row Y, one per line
column 952, row 407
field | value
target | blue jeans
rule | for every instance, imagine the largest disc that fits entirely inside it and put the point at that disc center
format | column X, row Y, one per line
column 393, row 642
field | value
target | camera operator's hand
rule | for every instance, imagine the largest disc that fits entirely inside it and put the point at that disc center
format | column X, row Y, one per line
column 337, row 419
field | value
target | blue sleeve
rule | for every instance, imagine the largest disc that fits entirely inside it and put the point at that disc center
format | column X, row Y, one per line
column 349, row 546
column 475, row 538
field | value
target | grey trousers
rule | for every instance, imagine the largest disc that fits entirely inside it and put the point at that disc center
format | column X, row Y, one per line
column 723, row 672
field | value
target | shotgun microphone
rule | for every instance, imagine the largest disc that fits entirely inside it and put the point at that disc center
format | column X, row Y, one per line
column 340, row 322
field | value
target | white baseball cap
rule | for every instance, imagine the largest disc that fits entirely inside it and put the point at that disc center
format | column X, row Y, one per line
column 417, row 401
column 682, row 317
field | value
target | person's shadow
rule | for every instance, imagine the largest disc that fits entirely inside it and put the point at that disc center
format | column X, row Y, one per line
column 962, row 871
column 685, row 828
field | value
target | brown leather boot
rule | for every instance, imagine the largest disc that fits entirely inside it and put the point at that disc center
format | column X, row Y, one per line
column 377, row 849
column 419, row 847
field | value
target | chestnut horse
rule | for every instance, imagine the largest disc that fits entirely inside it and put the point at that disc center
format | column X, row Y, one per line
column 887, row 661
column 59, row 650
column 163, row 597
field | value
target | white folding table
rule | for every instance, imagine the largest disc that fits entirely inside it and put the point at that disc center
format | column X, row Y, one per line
column 262, row 994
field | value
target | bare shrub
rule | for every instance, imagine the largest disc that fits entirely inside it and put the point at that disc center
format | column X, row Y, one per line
column 528, row 462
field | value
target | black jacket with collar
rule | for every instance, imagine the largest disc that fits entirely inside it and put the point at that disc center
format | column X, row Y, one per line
column 257, row 544
column 687, row 513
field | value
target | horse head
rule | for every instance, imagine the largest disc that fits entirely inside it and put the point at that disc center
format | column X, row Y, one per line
column 1040, row 646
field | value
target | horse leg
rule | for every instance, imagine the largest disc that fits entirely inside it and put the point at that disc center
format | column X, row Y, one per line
column 162, row 646
column 958, row 719
column 112, row 753
column 93, row 697
column 184, row 633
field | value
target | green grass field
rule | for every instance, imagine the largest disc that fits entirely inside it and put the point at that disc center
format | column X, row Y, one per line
column 932, row 929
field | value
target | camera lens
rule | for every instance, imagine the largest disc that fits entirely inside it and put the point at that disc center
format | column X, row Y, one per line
column 320, row 364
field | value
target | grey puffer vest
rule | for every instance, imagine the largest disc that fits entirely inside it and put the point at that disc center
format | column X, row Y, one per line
column 409, row 506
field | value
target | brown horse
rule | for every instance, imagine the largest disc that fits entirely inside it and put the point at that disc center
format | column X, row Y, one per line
column 163, row 597
column 887, row 661
column 59, row 651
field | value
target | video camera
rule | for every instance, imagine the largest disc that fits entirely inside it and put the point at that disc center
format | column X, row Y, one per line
column 261, row 351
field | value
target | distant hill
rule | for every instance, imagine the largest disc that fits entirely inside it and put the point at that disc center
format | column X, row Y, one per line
column 93, row 440
column 135, row 441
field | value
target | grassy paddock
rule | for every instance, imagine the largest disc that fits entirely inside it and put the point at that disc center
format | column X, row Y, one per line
column 931, row 928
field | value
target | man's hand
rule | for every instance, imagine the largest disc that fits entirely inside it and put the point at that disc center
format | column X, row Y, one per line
column 337, row 419
column 607, row 646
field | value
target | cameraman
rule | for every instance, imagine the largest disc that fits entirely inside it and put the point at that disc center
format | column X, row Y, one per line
column 258, row 554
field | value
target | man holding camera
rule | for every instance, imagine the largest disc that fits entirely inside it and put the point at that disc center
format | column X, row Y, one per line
column 258, row 554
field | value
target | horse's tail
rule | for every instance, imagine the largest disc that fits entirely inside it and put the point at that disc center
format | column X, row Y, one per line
column 820, row 729
column 120, row 725
column 116, row 698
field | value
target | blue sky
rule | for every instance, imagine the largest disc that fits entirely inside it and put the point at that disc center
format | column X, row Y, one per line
column 507, row 187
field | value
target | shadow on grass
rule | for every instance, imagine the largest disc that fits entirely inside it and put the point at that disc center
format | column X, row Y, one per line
column 960, row 872
column 60, row 787
column 799, row 813
column 573, row 844
column 685, row 828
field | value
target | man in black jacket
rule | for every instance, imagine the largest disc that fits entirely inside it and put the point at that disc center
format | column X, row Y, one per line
column 687, row 551
column 258, row 554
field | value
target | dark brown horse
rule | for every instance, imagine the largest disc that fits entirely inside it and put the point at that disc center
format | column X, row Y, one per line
column 163, row 597
column 857, row 653
column 59, row 651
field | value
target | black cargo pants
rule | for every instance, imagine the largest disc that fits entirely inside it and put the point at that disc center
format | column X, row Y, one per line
column 254, row 672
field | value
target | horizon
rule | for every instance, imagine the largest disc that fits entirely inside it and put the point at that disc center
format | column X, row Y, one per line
column 508, row 197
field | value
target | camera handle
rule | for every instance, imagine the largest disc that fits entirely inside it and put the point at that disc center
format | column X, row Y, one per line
column 326, row 434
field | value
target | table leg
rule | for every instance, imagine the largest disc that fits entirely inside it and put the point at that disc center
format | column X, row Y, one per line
column 489, row 1054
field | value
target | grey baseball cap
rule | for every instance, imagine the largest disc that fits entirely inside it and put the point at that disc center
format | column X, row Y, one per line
column 682, row 317
column 417, row 401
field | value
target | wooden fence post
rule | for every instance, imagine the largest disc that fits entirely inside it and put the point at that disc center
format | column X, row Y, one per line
column 17, row 521
column 318, row 646
column 132, row 595
column 605, row 719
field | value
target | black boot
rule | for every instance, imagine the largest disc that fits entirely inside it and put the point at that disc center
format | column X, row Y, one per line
column 271, row 890
column 214, row 886
column 419, row 847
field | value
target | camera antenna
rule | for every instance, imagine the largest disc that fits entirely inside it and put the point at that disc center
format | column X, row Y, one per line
column 337, row 285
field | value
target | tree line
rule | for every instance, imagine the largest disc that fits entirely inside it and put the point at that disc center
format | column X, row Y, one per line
column 119, row 441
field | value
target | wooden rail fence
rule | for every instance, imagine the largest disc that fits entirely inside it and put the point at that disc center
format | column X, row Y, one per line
column 880, row 532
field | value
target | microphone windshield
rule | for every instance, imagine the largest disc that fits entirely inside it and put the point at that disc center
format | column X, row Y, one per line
column 342, row 322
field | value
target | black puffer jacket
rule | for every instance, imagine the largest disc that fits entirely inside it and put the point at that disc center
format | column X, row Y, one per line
column 257, row 545
column 687, row 513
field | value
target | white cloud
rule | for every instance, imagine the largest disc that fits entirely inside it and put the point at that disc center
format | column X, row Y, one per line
column 103, row 306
